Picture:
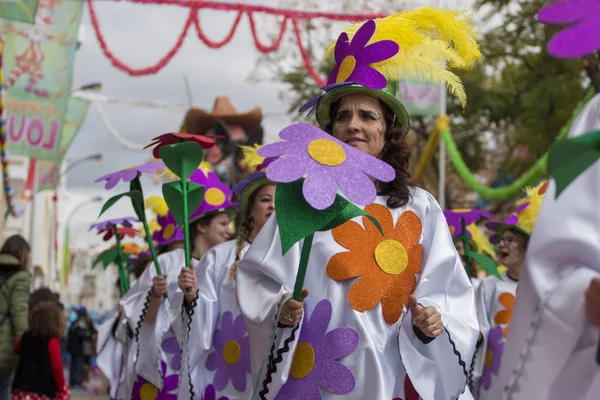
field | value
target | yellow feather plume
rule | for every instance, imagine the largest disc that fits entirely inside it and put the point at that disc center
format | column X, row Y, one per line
column 430, row 40
column 158, row 205
column 528, row 216
column 154, row 226
column 481, row 241
column 251, row 159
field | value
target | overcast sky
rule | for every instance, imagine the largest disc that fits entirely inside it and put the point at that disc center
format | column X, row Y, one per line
column 140, row 35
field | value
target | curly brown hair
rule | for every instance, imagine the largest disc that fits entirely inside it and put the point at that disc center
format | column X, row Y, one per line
column 395, row 152
column 47, row 320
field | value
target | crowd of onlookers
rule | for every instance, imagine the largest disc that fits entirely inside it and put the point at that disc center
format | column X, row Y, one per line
column 36, row 341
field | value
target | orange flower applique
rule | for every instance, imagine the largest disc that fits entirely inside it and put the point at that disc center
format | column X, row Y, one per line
column 503, row 317
column 387, row 265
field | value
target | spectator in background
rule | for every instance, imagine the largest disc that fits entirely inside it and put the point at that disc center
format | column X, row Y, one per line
column 79, row 345
column 40, row 373
column 89, row 348
column 14, row 293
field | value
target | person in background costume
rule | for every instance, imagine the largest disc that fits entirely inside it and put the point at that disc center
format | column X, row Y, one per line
column 407, row 327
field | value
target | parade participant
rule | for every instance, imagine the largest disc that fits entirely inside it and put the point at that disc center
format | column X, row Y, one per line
column 407, row 326
column 217, row 343
column 146, row 309
column 496, row 297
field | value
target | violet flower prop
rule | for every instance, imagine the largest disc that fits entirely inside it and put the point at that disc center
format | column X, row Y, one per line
column 582, row 36
column 129, row 174
column 470, row 216
column 327, row 163
column 115, row 222
column 217, row 195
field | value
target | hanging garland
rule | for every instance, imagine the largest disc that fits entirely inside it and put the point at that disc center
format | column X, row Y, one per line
column 241, row 9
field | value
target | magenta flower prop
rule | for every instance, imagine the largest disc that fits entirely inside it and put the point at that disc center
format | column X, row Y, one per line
column 129, row 174
column 353, row 58
column 144, row 390
column 582, row 36
column 454, row 217
column 169, row 230
column 211, row 394
column 493, row 356
column 512, row 220
column 217, row 195
column 315, row 363
column 231, row 357
column 327, row 163
column 171, row 346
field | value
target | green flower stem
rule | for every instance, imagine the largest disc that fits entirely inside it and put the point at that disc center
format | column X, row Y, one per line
column 465, row 241
column 509, row 191
column 299, row 285
column 120, row 258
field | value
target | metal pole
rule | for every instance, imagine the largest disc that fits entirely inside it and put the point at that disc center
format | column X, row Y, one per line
column 442, row 158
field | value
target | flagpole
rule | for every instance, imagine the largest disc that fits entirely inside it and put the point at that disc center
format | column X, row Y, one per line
column 442, row 158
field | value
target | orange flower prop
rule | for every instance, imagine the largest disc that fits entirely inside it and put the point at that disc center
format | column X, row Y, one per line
column 503, row 317
column 387, row 266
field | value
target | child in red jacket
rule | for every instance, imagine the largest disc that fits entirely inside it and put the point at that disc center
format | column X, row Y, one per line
column 40, row 373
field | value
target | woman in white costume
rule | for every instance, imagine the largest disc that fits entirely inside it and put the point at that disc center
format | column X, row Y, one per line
column 145, row 308
column 217, row 350
column 496, row 297
column 407, row 327
column 551, row 349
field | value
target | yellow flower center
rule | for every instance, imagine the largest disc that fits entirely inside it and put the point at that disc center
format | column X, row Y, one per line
column 214, row 197
column 326, row 152
column 452, row 230
column 148, row 392
column 304, row 361
column 391, row 257
column 169, row 231
column 462, row 210
column 346, row 69
column 231, row 352
column 489, row 356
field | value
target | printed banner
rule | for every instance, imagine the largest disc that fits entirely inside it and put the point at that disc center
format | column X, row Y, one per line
column 420, row 99
column 47, row 173
column 38, row 65
column 19, row 10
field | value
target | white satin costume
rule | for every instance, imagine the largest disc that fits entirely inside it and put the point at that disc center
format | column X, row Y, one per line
column 343, row 347
column 112, row 354
column 551, row 349
column 156, row 345
column 216, row 348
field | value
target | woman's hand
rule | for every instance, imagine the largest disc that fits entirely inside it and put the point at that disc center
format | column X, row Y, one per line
column 188, row 280
column 292, row 311
column 428, row 320
column 159, row 286
column 592, row 302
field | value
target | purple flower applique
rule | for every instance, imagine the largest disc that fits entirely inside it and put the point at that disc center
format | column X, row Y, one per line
column 315, row 363
column 211, row 394
column 171, row 346
column 144, row 390
column 231, row 357
column 493, row 356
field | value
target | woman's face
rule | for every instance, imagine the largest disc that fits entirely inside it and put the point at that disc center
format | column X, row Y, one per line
column 218, row 231
column 360, row 122
column 263, row 206
column 511, row 249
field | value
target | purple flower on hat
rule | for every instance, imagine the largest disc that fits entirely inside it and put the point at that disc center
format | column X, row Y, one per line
column 144, row 390
column 171, row 346
column 512, row 220
column 211, row 394
column 169, row 230
column 129, row 174
column 493, row 356
column 470, row 215
column 328, row 163
column 579, row 39
column 353, row 58
column 315, row 363
column 231, row 357
column 217, row 195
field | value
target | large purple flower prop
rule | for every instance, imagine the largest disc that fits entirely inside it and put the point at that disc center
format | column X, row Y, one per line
column 315, row 362
column 353, row 58
column 327, row 163
column 217, row 195
column 512, row 220
column 169, row 230
column 493, row 356
column 144, row 390
column 171, row 346
column 454, row 217
column 231, row 357
column 582, row 37
column 129, row 174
